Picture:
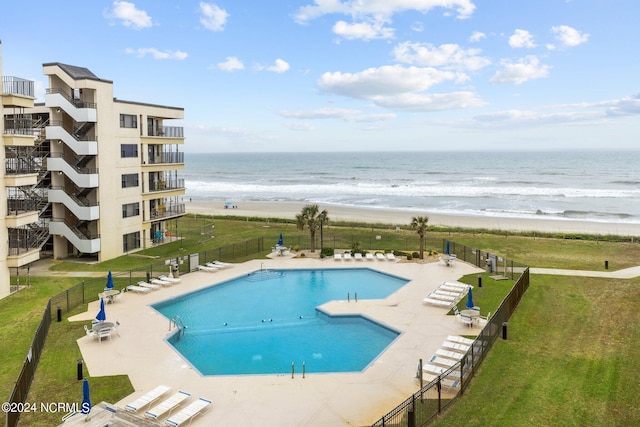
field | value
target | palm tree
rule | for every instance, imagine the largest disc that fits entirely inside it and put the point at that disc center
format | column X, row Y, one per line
column 311, row 218
column 419, row 223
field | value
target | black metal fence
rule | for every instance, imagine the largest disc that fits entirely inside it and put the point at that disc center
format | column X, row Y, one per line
column 88, row 290
column 423, row 406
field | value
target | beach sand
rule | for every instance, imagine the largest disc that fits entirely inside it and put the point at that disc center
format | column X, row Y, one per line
column 374, row 215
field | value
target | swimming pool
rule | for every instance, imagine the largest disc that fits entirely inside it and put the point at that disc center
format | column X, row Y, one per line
column 263, row 322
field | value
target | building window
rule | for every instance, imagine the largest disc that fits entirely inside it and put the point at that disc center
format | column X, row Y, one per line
column 129, row 150
column 130, row 180
column 128, row 121
column 130, row 209
column 131, row 241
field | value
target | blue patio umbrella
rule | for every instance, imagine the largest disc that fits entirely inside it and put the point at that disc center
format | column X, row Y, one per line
column 470, row 303
column 86, row 398
column 280, row 241
column 109, row 281
column 448, row 249
column 102, row 315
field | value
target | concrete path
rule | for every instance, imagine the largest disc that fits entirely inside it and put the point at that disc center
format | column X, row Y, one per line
column 627, row 273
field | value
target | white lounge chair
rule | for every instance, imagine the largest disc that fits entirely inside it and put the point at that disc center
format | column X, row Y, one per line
column 391, row 256
column 161, row 282
column 459, row 339
column 151, row 286
column 138, row 289
column 147, row 398
column 167, row 405
column 208, row 269
column 369, row 256
column 447, row 382
column 222, row 264
column 449, row 354
column 169, row 279
column 188, row 413
column 380, row 256
column 358, row 256
column 337, row 257
column 443, row 361
column 347, row 256
column 462, row 348
column 439, row 302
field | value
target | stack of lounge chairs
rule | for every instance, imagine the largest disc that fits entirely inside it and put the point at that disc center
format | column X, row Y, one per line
column 445, row 363
column 168, row 407
column 447, row 294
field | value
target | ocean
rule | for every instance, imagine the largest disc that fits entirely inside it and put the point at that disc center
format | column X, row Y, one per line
column 581, row 185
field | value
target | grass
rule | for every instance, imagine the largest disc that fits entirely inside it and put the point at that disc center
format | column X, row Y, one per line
column 570, row 359
column 571, row 350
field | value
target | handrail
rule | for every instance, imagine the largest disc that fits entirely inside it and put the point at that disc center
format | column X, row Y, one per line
column 174, row 321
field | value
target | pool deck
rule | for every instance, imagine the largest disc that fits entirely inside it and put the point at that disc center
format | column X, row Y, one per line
column 341, row 399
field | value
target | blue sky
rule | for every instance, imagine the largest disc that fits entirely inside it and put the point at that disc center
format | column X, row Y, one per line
column 373, row 75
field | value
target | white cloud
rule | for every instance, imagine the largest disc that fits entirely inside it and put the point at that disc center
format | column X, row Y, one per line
column 363, row 30
column 299, row 126
column 569, row 36
column 130, row 16
column 213, row 17
column 446, row 55
column 476, row 36
column 157, row 54
column 521, row 38
column 398, row 88
column 279, row 67
column 231, row 63
column 346, row 114
column 527, row 68
column 379, row 8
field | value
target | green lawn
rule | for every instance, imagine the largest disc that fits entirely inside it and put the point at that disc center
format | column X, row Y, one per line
column 571, row 357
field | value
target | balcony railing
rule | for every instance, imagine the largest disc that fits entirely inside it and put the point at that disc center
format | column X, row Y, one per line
column 18, row 86
column 77, row 102
column 166, row 158
column 173, row 210
column 171, row 184
column 166, row 131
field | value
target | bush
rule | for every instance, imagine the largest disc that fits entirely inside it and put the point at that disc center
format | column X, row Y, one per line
column 415, row 255
column 326, row 252
column 409, row 258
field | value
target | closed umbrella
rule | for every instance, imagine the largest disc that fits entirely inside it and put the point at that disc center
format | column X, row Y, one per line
column 280, row 241
column 86, row 398
column 470, row 303
column 102, row 315
column 109, row 282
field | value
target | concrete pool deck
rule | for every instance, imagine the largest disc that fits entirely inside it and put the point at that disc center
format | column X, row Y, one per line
column 327, row 399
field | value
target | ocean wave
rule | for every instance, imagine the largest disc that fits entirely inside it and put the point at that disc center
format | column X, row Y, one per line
column 300, row 190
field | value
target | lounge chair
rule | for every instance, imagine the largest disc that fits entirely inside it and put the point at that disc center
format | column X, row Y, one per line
column 151, row 286
column 138, row 289
column 337, row 257
column 443, row 361
column 447, row 382
column 208, row 269
column 439, row 370
column 449, row 354
column 463, row 286
column 161, row 282
column 462, row 348
column 222, row 264
column 447, row 293
column 459, row 339
column 147, row 398
column 167, row 405
column 439, row 302
column 212, row 265
column 369, row 256
column 391, row 256
column 188, row 413
column 169, row 279
column 358, row 256
column 380, row 256
column 347, row 256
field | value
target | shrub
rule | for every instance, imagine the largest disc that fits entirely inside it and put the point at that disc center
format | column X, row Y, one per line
column 326, row 252
column 415, row 255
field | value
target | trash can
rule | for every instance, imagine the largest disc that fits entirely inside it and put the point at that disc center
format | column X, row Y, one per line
column 148, row 276
column 176, row 271
column 80, row 374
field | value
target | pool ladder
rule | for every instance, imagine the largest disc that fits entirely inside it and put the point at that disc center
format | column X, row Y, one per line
column 178, row 323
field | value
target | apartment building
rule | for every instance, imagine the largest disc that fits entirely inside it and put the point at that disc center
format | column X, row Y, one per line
column 103, row 172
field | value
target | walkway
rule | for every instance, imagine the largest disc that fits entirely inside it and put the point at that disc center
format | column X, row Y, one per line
column 627, row 273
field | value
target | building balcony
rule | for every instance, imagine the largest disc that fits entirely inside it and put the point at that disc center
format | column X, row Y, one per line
column 17, row 92
column 173, row 211
column 84, row 244
column 85, row 146
column 171, row 184
column 78, row 110
column 82, row 177
column 80, row 209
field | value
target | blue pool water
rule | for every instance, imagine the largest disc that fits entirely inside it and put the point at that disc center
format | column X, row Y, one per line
column 263, row 322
